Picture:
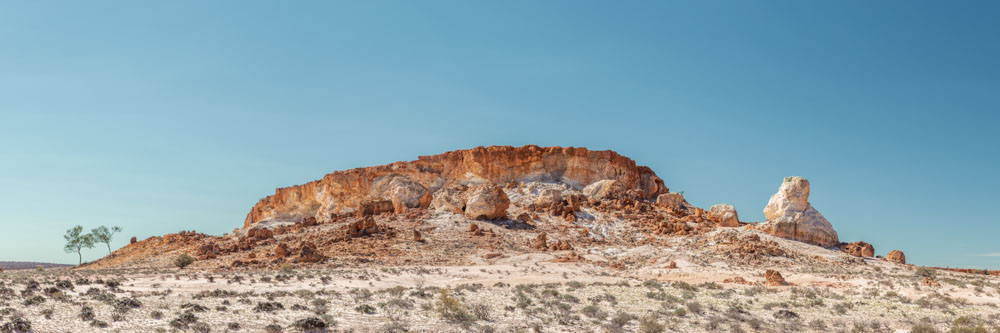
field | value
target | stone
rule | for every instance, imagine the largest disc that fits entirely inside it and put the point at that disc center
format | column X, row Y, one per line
column 207, row 251
column 450, row 199
column 260, row 233
column 549, row 197
column 572, row 256
column 362, row 227
column 671, row 265
column 774, row 278
column 524, row 217
column 560, row 245
column 405, row 193
column 486, row 202
column 132, row 241
column 417, row 237
column 736, row 280
column 308, row 221
column 308, row 254
column 896, row 256
column 859, row 249
column 605, row 189
column 671, row 200
column 541, row 242
column 281, row 250
column 791, row 216
column 344, row 191
column 724, row 215
column 929, row 282
column 374, row 207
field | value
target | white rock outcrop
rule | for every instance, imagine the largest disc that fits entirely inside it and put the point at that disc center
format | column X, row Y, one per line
column 790, row 215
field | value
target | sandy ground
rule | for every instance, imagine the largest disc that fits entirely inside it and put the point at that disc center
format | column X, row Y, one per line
column 523, row 293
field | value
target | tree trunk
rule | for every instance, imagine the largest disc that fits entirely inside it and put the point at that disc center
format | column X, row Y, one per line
column 109, row 248
column 81, row 257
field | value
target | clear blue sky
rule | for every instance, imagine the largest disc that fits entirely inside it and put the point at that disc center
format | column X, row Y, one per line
column 175, row 115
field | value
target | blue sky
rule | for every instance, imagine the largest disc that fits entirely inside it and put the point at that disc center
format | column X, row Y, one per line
column 177, row 115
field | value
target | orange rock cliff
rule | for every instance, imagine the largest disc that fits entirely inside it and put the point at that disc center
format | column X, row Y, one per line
column 411, row 184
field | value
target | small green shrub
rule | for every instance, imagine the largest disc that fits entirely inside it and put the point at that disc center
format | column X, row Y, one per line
column 183, row 260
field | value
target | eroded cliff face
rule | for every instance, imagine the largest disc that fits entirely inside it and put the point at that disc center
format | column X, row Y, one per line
column 411, row 184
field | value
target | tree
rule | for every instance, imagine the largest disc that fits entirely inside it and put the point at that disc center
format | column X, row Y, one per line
column 103, row 234
column 76, row 241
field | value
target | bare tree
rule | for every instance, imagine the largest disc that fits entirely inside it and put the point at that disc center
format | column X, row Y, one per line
column 103, row 234
column 76, row 241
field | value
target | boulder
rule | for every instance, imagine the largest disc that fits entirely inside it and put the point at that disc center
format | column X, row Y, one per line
column 404, row 193
column 492, row 255
column 450, row 199
column 859, row 249
column 260, row 233
column 374, row 207
column 486, row 202
column 724, row 215
column 281, row 250
column 896, row 256
column 207, row 251
column 308, row 253
column 791, row 216
column 774, row 278
column 132, row 241
column 671, row 200
column 541, row 242
column 560, row 245
column 362, row 227
column 605, row 189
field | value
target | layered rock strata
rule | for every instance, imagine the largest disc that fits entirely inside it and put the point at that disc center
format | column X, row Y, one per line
column 411, row 185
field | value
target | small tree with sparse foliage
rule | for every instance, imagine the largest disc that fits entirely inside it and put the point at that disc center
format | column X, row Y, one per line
column 103, row 234
column 76, row 241
column 183, row 261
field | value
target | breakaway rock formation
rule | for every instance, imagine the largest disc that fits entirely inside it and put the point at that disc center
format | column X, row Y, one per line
column 412, row 185
column 790, row 215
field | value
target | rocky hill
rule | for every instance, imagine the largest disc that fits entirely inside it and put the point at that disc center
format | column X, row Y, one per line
column 487, row 203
